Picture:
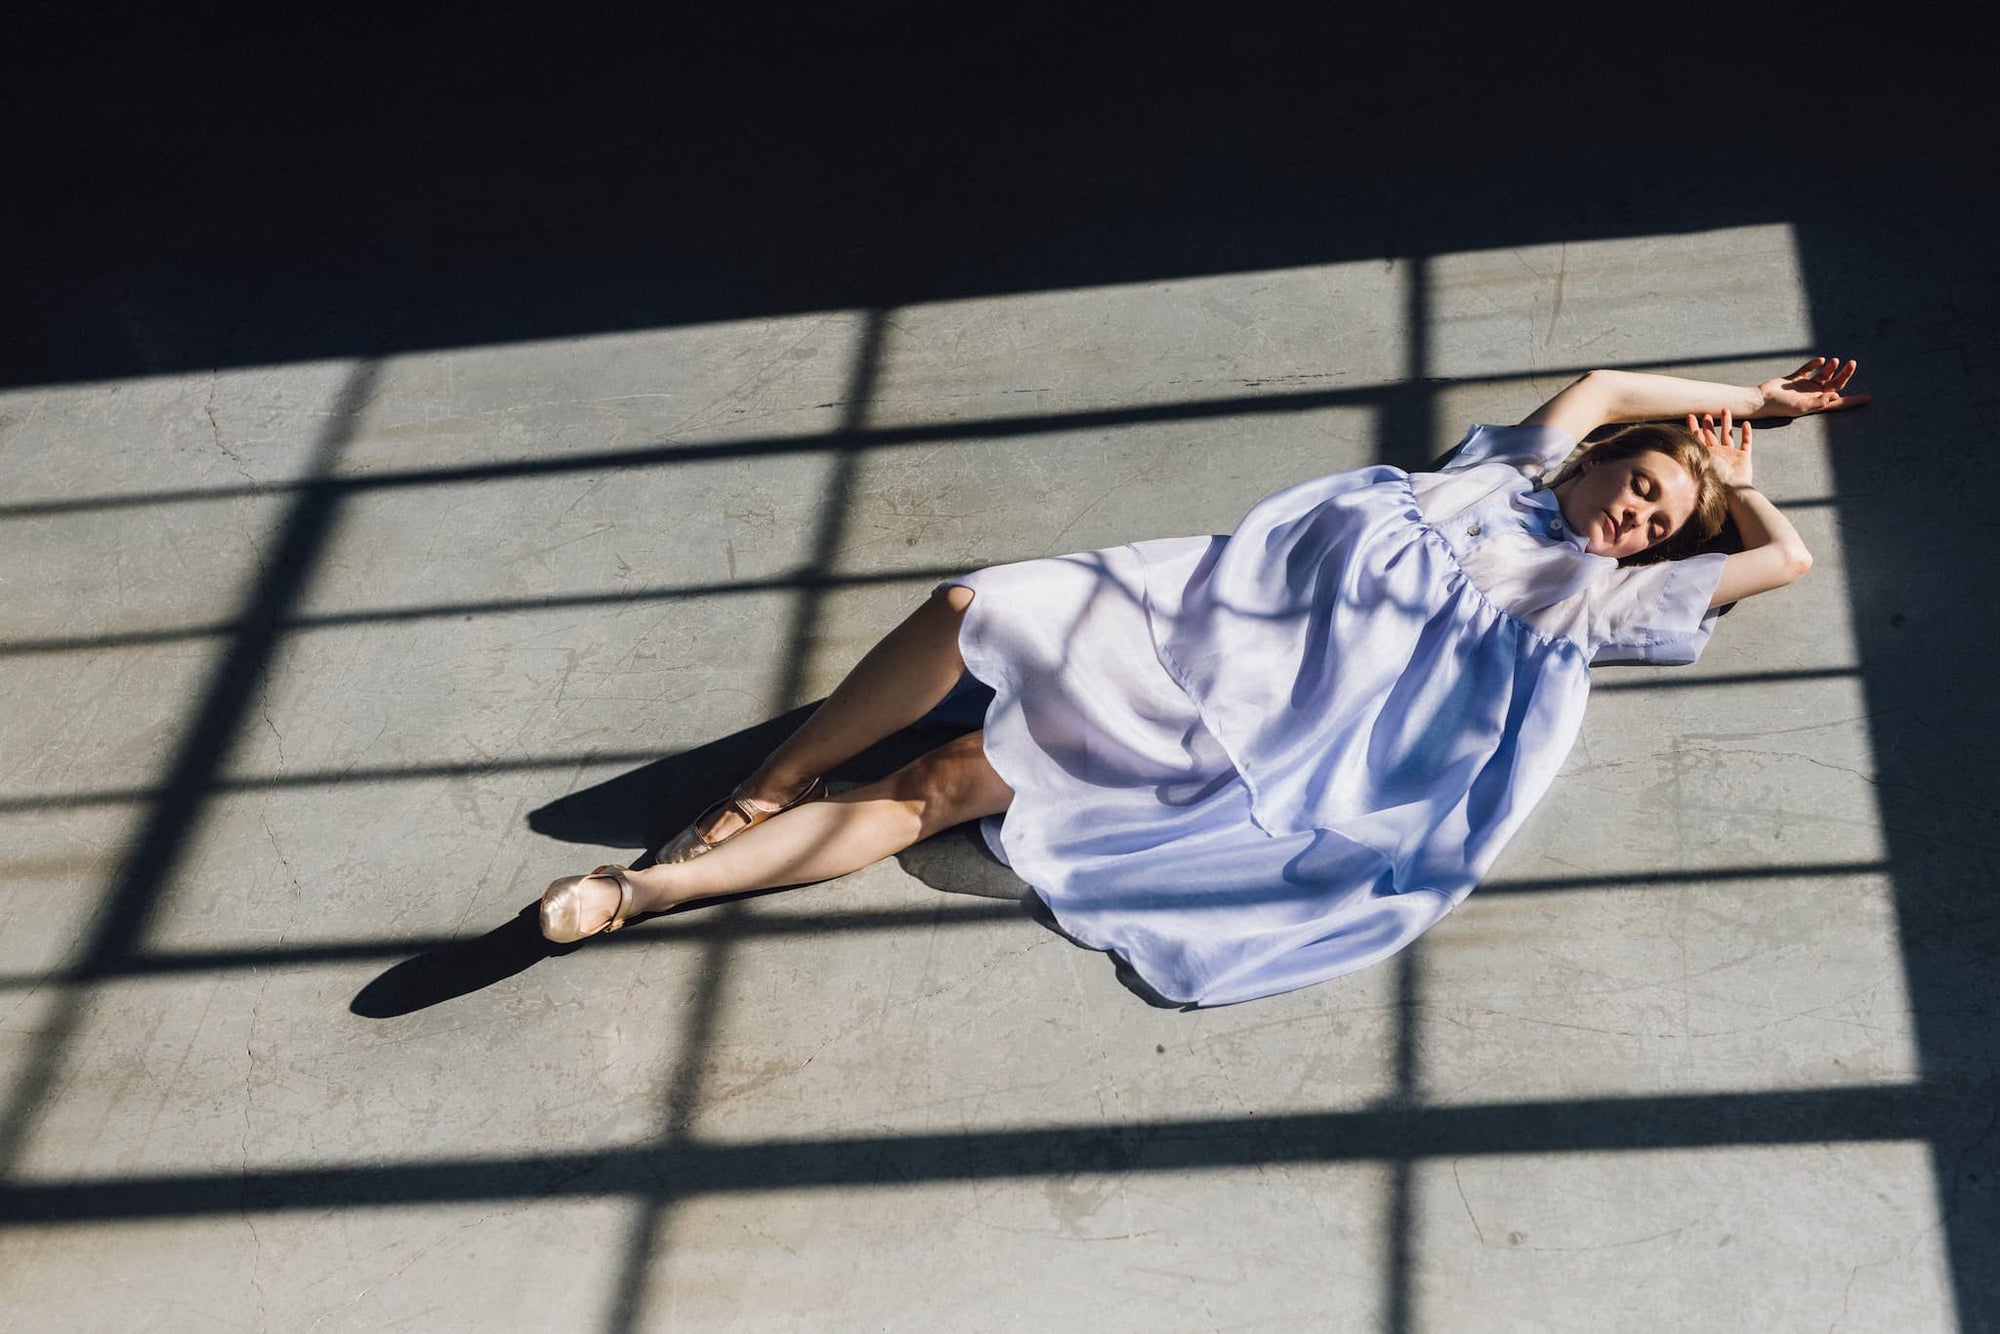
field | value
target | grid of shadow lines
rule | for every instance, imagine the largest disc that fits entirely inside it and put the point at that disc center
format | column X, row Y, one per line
column 1401, row 1132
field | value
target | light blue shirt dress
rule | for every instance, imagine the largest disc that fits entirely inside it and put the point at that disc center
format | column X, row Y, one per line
column 1250, row 762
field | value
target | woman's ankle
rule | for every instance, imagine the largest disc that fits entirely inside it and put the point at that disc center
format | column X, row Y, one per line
column 653, row 889
column 775, row 789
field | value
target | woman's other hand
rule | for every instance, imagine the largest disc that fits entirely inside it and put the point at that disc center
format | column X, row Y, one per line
column 1731, row 457
column 1818, row 386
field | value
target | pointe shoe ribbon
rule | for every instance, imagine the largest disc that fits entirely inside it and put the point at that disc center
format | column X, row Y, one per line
column 691, row 843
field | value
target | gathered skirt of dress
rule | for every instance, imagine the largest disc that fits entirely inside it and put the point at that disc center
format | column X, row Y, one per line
column 1248, row 763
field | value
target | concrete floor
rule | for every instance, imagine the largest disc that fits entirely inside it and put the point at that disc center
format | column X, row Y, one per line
column 318, row 667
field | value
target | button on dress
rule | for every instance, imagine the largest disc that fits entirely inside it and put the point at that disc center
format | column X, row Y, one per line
column 1245, row 763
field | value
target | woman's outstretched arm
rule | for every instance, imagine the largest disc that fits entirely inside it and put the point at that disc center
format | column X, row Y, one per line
column 1599, row 398
column 1773, row 553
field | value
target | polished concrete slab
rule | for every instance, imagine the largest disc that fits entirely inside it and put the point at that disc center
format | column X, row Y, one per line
column 318, row 665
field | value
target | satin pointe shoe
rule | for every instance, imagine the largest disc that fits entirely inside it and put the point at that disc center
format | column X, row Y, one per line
column 562, row 906
column 689, row 843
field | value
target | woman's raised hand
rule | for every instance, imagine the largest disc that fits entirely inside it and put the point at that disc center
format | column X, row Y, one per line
column 1731, row 457
column 1818, row 386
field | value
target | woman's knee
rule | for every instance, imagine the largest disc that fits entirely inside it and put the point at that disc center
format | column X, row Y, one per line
column 951, row 785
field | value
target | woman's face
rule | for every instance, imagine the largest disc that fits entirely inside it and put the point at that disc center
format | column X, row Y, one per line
column 1623, row 506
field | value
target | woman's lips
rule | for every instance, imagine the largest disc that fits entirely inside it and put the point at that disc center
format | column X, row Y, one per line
column 1610, row 532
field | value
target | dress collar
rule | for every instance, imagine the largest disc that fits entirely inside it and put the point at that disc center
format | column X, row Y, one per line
column 1548, row 517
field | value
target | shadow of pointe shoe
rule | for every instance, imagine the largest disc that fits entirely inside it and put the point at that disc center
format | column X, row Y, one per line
column 461, row 967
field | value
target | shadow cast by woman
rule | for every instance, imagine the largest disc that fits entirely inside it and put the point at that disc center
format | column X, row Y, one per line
column 643, row 807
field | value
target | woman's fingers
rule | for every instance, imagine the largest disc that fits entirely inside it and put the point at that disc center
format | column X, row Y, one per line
column 1729, row 434
column 1835, row 381
column 1823, row 383
column 1742, row 433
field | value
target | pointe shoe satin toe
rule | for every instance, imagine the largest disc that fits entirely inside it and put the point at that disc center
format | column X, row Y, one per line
column 562, row 906
column 691, row 842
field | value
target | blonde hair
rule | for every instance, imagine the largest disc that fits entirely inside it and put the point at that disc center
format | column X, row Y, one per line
column 1711, row 496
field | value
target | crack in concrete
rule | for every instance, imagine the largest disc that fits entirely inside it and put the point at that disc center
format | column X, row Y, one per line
column 243, row 1140
column 264, row 819
column 1847, row 1292
column 215, row 427
column 1470, row 1216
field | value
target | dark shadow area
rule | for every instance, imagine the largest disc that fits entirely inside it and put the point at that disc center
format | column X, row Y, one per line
column 454, row 969
column 1916, row 539
column 440, row 184
column 1689, row 681
column 1831, row 1116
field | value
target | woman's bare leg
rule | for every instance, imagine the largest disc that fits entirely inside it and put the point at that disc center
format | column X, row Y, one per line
column 822, row 839
column 897, row 682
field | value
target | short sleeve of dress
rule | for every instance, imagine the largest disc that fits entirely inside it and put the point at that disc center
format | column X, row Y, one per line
column 1655, row 613
column 1538, row 449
